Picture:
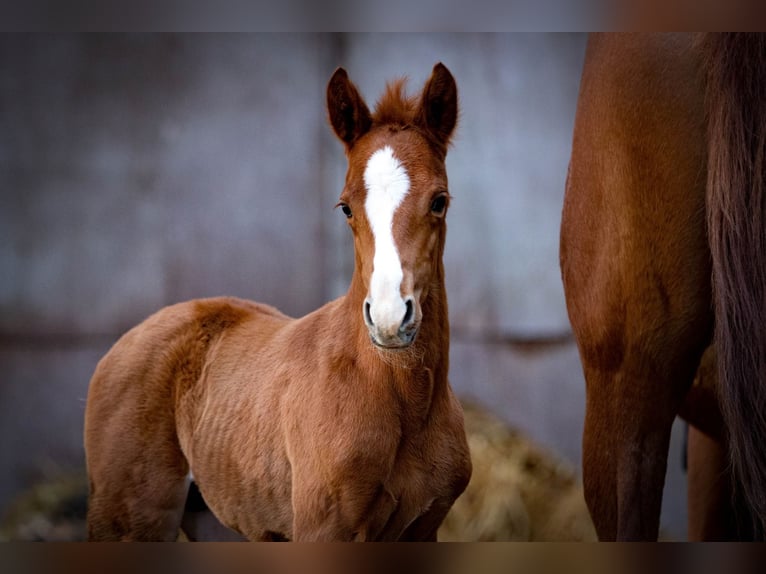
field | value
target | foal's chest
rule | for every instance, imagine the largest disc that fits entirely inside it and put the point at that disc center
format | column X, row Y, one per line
column 431, row 471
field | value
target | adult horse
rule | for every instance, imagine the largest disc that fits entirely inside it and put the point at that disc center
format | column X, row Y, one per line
column 340, row 425
column 663, row 250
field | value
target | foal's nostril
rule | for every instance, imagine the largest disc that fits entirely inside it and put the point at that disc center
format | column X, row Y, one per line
column 408, row 314
column 367, row 316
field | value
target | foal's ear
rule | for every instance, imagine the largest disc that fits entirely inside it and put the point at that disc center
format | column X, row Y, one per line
column 349, row 115
column 438, row 106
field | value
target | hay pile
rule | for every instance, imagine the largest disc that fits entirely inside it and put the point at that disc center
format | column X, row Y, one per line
column 52, row 510
column 517, row 492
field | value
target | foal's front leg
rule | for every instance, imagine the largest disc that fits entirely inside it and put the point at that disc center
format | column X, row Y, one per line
column 425, row 526
column 354, row 511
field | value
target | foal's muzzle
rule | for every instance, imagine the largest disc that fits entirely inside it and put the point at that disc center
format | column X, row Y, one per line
column 392, row 326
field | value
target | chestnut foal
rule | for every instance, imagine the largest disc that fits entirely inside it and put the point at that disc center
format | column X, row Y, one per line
column 340, row 425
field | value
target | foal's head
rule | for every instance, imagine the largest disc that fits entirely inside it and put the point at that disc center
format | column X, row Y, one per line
column 395, row 197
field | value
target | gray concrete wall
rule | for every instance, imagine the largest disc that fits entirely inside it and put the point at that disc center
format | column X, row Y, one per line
column 137, row 171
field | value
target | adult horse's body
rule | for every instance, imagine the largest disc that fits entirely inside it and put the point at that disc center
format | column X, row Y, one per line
column 340, row 425
column 666, row 191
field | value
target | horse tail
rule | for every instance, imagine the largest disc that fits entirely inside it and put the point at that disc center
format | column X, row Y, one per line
column 735, row 67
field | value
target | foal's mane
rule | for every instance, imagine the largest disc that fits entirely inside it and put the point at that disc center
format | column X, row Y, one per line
column 395, row 107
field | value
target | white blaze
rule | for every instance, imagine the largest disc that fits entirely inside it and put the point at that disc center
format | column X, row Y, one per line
column 387, row 185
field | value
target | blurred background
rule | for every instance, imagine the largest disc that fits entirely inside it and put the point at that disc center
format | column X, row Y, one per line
column 141, row 170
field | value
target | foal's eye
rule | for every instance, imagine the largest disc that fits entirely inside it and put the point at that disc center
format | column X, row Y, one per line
column 346, row 209
column 439, row 204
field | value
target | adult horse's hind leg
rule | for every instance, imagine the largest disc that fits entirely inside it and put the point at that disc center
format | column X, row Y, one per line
column 628, row 420
column 714, row 512
column 709, row 490
column 635, row 266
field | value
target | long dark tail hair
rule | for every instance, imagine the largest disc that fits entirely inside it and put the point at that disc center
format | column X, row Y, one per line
column 736, row 211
